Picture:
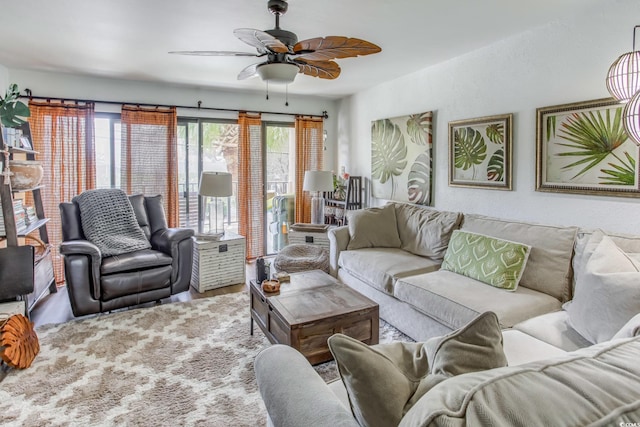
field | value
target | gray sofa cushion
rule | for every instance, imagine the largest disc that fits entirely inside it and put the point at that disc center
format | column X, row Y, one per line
column 548, row 268
column 373, row 228
column 594, row 386
column 454, row 300
column 425, row 231
column 554, row 328
column 381, row 267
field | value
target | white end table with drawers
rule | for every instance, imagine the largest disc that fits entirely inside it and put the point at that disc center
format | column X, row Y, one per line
column 319, row 238
column 218, row 263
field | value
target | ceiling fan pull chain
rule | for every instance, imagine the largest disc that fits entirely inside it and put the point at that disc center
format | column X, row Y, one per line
column 286, row 99
column 267, row 90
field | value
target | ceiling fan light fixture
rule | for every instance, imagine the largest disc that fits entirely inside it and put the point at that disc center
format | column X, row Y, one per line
column 278, row 73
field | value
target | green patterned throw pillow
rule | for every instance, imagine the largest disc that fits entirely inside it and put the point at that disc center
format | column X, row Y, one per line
column 496, row 262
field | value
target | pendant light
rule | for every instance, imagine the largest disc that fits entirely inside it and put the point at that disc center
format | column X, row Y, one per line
column 631, row 118
column 623, row 83
column 623, row 78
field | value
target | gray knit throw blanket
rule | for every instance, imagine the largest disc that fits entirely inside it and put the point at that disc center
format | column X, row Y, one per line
column 109, row 222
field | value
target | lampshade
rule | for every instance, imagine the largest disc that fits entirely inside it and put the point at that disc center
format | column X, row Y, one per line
column 623, row 78
column 278, row 72
column 318, row 181
column 215, row 184
column 631, row 118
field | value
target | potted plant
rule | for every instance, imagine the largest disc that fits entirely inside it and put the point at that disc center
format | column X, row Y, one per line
column 13, row 111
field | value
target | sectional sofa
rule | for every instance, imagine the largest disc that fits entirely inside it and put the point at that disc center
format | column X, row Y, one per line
column 393, row 256
column 571, row 320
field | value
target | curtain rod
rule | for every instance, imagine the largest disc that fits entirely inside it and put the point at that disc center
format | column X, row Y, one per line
column 324, row 114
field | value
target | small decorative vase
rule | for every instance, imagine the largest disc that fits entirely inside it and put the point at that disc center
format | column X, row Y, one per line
column 340, row 193
column 26, row 174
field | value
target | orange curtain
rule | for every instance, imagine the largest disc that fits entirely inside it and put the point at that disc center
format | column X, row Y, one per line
column 309, row 157
column 149, row 162
column 251, row 184
column 63, row 134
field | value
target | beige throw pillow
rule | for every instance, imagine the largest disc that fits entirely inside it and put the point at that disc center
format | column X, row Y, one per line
column 425, row 231
column 607, row 293
column 384, row 381
column 373, row 228
column 474, row 347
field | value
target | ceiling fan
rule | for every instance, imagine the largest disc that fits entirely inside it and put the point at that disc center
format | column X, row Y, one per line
column 286, row 56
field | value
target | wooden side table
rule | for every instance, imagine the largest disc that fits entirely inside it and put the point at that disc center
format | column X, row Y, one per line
column 218, row 263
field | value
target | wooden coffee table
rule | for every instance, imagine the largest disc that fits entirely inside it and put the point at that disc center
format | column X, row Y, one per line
column 309, row 309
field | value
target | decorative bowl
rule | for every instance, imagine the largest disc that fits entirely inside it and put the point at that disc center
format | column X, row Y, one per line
column 26, row 174
column 271, row 285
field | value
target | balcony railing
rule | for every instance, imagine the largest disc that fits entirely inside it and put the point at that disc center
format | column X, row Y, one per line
column 189, row 204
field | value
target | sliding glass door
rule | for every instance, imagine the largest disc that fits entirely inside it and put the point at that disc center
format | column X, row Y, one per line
column 212, row 146
column 107, row 137
column 279, row 140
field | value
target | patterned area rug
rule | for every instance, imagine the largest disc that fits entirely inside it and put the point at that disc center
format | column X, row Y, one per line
column 187, row 363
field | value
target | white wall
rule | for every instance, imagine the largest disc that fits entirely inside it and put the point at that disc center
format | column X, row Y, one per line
column 83, row 87
column 559, row 63
column 4, row 79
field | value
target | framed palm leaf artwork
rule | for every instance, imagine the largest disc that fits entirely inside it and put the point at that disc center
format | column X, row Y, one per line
column 480, row 152
column 582, row 148
column 401, row 158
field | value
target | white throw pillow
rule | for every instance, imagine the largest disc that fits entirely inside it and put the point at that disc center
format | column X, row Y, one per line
column 607, row 293
column 583, row 250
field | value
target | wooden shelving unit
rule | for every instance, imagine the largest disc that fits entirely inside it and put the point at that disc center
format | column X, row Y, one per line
column 352, row 200
column 44, row 280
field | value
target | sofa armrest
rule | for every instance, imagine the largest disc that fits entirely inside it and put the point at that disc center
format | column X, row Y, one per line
column 177, row 243
column 297, row 396
column 167, row 239
column 338, row 242
column 85, row 247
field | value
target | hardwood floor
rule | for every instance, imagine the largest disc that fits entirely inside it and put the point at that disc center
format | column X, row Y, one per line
column 55, row 308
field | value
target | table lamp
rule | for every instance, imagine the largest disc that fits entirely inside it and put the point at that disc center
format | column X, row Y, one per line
column 317, row 182
column 215, row 184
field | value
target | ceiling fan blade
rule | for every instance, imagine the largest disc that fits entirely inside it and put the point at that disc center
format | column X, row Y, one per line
column 332, row 47
column 248, row 72
column 323, row 69
column 212, row 53
column 262, row 41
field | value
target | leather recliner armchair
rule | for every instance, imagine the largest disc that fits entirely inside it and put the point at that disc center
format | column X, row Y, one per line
column 96, row 284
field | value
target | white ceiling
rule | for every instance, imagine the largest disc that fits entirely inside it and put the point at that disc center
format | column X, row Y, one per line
column 129, row 39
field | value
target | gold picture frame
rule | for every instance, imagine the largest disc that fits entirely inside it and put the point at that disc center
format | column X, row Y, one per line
column 582, row 148
column 481, row 152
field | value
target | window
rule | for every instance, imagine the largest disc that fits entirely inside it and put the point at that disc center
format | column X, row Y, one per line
column 107, row 138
